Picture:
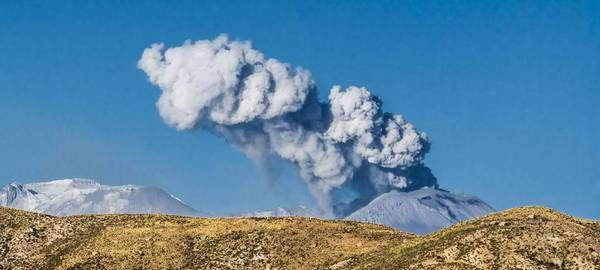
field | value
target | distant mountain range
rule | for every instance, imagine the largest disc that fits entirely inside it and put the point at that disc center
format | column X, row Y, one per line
column 82, row 196
column 420, row 211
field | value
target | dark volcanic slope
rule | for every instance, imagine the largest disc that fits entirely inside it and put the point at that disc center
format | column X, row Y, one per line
column 523, row 238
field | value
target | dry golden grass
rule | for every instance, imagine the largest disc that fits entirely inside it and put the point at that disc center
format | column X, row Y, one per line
column 522, row 238
column 173, row 242
column 519, row 238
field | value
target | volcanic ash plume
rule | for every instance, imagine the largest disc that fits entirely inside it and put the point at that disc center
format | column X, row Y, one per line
column 347, row 150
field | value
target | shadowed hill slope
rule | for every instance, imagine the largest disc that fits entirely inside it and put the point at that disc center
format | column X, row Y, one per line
column 522, row 238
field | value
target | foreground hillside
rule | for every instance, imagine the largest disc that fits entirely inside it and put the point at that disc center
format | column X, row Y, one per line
column 35, row 241
column 520, row 238
column 523, row 238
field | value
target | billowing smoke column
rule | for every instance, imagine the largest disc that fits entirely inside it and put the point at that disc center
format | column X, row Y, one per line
column 347, row 150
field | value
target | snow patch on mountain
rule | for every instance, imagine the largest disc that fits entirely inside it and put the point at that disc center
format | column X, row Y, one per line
column 82, row 196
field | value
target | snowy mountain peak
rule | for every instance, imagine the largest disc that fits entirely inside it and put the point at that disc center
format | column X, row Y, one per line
column 83, row 196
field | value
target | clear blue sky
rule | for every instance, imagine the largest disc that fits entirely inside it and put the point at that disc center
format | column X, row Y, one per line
column 509, row 91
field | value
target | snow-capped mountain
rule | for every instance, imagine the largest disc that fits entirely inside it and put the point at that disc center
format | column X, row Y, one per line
column 421, row 211
column 82, row 196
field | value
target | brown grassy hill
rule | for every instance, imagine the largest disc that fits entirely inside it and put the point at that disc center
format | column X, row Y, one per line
column 522, row 238
column 33, row 241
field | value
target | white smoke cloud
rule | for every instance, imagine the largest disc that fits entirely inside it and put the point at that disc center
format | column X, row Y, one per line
column 383, row 139
column 355, row 114
column 265, row 108
column 223, row 82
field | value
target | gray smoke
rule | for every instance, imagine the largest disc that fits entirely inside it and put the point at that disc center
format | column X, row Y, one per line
column 348, row 150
